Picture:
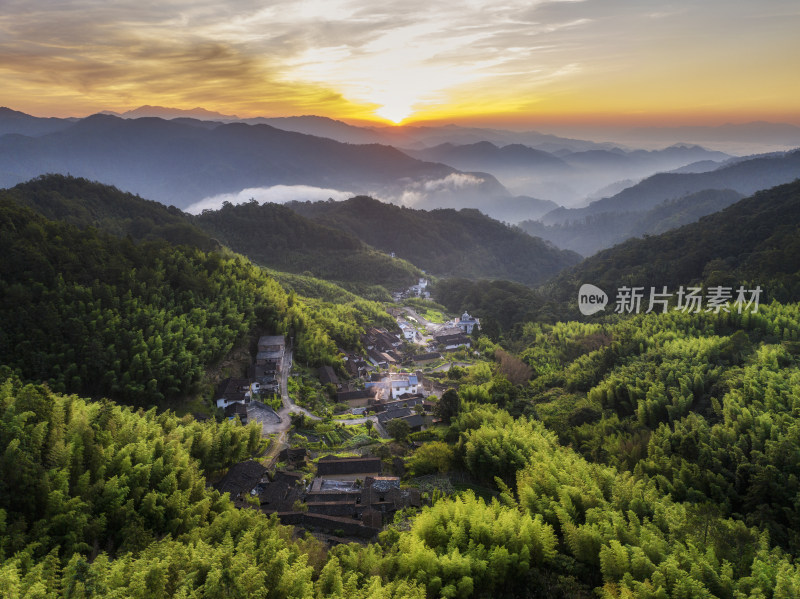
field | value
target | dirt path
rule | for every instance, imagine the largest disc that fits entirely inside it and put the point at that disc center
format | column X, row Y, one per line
column 278, row 445
column 289, row 407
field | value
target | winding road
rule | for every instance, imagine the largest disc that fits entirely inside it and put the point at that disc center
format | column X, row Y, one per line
column 281, row 428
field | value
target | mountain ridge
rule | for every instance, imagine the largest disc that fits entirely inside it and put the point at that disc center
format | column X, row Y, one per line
column 745, row 176
column 447, row 242
column 755, row 240
column 179, row 164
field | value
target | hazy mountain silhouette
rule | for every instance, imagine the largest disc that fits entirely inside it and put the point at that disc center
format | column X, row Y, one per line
column 747, row 135
column 15, row 122
column 486, row 156
column 752, row 242
column 322, row 127
column 179, row 163
column 599, row 231
column 743, row 176
column 568, row 176
column 163, row 112
column 505, row 208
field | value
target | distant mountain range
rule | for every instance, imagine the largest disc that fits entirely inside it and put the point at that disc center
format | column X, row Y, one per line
column 486, row 156
column 18, row 123
column 744, row 176
column 662, row 202
column 182, row 157
column 564, row 176
column 739, row 138
column 162, row 112
column 177, row 162
column 184, row 160
column 605, row 229
column 752, row 242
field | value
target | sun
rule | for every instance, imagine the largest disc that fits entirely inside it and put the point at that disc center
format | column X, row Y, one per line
column 395, row 113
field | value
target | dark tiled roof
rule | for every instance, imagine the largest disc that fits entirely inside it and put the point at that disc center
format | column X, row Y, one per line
column 403, row 402
column 427, row 357
column 415, row 420
column 334, row 466
column 234, row 409
column 292, row 455
column 451, row 339
column 271, row 341
column 282, row 492
column 233, row 389
column 327, row 375
column 241, row 478
column 354, row 395
column 388, row 415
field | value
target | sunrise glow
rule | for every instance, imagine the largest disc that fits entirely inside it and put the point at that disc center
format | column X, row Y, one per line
column 522, row 62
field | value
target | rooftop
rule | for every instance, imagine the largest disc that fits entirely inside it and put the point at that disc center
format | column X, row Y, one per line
column 333, row 466
column 241, row 478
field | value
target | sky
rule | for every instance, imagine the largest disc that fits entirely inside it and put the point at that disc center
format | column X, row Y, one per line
column 510, row 63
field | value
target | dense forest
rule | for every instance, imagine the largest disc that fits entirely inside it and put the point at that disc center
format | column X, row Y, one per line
column 86, row 203
column 459, row 243
column 105, row 317
column 275, row 236
column 115, row 501
column 501, row 305
column 269, row 235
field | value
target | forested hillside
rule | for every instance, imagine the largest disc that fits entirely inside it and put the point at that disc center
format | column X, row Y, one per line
column 462, row 243
column 100, row 504
column 275, row 236
column 102, row 316
column 744, row 176
column 502, row 305
column 270, row 235
column 699, row 405
column 86, row 203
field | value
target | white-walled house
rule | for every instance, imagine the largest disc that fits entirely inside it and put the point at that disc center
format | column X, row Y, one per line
column 232, row 391
column 403, row 384
column 467, row 323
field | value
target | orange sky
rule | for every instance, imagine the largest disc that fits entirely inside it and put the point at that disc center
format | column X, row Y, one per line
column 475, row 62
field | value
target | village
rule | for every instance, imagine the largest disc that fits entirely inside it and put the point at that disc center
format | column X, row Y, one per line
column 328, row 467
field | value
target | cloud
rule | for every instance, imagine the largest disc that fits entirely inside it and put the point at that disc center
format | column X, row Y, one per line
column 278, row 194
column 419, row 192
column 452, row 182
column 411, row 194
column 355, row 59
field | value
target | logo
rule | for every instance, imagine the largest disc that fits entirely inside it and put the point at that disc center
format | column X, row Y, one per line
column 591, row 299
